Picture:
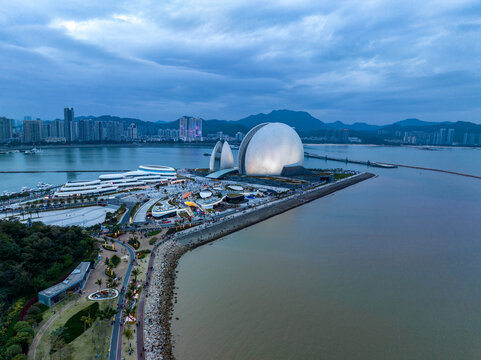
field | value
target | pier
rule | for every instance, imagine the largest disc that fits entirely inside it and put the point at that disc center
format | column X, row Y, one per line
column 387, row 165
column 346, row 160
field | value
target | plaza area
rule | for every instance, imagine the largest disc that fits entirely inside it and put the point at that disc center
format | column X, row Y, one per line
column 82, row 216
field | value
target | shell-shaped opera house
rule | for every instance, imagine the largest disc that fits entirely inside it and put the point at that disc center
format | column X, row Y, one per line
column 268, row 148
column 221, row 157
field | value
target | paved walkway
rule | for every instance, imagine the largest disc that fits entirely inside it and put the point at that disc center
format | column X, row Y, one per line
column 115, row 344
column 33, row 347
column 140, row 215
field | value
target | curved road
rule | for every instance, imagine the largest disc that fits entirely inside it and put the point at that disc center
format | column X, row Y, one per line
column 114, row 341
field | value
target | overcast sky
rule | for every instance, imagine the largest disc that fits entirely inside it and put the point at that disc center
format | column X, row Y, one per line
column 374, row 61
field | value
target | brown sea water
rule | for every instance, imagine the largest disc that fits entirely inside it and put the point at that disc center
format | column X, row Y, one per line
column 387, row 269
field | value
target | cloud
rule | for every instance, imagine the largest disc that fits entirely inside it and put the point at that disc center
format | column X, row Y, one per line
column 374, row 60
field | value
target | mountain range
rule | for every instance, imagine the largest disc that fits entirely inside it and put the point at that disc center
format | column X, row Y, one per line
column 304, row 123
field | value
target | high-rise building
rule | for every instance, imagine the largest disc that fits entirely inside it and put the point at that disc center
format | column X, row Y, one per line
column 132, row 132
column 57, row 129
column 32, row 131
column 450, row 137
column 46, row 130
column 239, row 136
column 85, row 129
column 195, row 129
column 98, row 134
column 69, row 131
column 5, row 129
column 114, row 131
column 183, row 128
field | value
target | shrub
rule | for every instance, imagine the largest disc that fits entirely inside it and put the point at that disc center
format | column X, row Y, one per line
column 24, row 338
column 115, row 261
column 34, row 310
column 75, row 327
column 13, row 350
column 142, row 253
column 20, row 357
column 28, row 330
column 153, row 240
column 21, row 325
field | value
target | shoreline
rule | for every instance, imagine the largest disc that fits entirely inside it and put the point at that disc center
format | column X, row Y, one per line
column 160, row 296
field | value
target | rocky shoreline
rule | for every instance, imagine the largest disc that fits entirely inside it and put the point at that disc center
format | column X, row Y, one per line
column 159, row 301
column 158, row 304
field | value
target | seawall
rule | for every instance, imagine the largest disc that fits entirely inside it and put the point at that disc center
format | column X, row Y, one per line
column 244, row 219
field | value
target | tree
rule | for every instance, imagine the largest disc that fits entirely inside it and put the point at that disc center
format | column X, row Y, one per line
column 99, row 283
column 24, row 338
column 87, row 320
column 129, row 334
column 57, row 340
column 107, row 262
column 136, row 272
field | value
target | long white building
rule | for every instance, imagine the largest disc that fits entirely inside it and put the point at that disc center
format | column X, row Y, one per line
column 146, row 175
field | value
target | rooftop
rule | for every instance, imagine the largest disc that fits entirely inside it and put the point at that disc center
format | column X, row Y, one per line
column 75, row 277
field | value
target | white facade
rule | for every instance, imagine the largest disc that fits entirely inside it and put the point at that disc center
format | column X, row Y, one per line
column 268, row 147
column 221, row 157
column 146, row 175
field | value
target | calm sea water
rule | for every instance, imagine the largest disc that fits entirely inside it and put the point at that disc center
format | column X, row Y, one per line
column 387, row 269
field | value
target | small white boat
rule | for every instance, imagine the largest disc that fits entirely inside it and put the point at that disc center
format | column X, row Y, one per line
column 33, row 151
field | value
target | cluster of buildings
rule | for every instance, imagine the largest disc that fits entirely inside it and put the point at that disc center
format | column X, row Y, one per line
column 34, row 131
column 441, row 137
column 85, row 130
column 145, row 176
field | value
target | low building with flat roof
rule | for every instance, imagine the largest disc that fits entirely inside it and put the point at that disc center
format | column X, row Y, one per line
column 75, row 281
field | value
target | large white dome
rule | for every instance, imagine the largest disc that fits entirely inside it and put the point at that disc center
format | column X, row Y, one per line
column 268, row 147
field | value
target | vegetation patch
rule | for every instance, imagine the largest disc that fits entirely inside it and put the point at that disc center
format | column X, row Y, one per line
column 115, row 261
column 153, row 241
column 110, row 273
column 112, row 218
column 143, row 253
column 110, row 247
column 153, row 233
column 74, row 327
column 32, row 259
column 134, row 209
column 134, row 243
column 341, row 176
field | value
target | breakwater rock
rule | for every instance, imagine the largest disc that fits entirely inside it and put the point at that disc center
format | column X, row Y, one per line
column 158, row 304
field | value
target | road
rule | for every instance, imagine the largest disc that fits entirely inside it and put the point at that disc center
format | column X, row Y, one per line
column 114, row 341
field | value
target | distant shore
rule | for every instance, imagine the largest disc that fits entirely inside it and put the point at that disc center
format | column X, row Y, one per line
column 160, row 294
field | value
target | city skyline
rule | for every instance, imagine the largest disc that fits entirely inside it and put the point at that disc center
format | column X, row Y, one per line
column 375, row 61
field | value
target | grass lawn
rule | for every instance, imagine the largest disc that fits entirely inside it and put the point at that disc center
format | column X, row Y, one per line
column 85, row 345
